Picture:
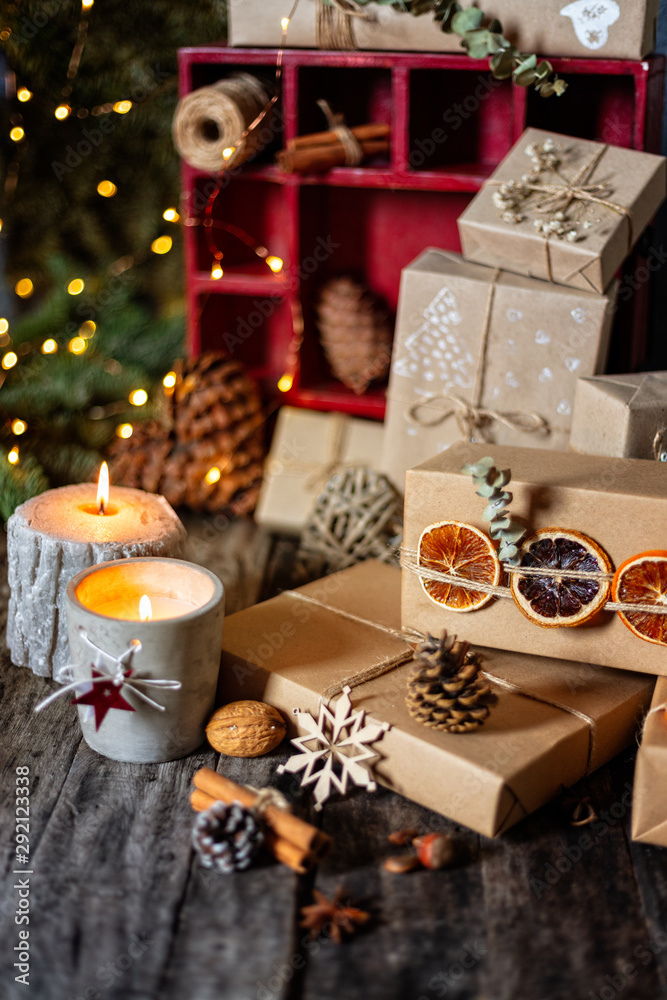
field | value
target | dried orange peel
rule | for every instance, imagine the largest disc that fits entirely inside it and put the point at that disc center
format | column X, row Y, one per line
column 642, row 579
column 459, row 550
column 555, row 601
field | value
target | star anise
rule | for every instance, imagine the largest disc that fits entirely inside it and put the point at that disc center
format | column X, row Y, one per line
column 329, row 916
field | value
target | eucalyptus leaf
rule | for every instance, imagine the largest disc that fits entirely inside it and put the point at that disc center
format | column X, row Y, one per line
column 502, row 65
column 530, row 62
column 560, row 86
column 526, row 78
column 496, row 27
column 467, row 20
column 477, row 43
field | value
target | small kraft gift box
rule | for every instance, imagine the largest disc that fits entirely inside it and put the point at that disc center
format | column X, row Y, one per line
column 553, row 722
column 308, row 448
column 480, row 353
column 563, row 209
column 623, row 416
column 606, row 29
column 592, row 581
column 649, row 806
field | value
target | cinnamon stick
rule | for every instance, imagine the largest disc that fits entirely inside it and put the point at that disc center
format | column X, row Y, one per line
column 376, row 130
column 317, row 158
column 283, row 850
column 287, row 826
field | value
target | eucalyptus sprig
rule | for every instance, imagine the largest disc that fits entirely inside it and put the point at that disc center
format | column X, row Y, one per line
column 491, row 483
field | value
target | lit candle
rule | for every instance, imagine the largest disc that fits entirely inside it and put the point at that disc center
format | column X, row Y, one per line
column 165, row 617
column 58, row 533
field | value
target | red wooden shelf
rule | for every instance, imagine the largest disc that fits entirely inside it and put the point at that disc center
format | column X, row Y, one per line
column 451, row 125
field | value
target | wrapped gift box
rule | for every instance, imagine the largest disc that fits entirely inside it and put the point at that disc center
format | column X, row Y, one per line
column 620, row 415
column 553, row 723
column 509, row 346
column 619, row 503
column 308, row 448
column 619, row 192
column 649, row 806
column 605, row 28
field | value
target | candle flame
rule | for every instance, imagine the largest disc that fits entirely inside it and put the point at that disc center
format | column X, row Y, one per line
column 145, row 609
column 103, row 489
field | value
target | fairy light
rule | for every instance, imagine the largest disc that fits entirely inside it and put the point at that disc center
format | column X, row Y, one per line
column 62, row 112
column 24, row 288
column 76, row 286
column 5, row 34
column 23, row 94
column 77, row 345
column 170, row 215
column 285, row 382
column 9, row 360
column 275, row 263
column 169, row 381
column 13, row 455
column 122, row 107
column 87, row 329
column 212, row 476
column 4, row 326
column 162, row 244
column 49, row 346
column 124, row 431
column 228, row 152
column 284, row 24
column 138, row 397
column 0, row 225
column 106, row 189
column 87, row 4
column 216, row 270
column 17, row 134
column 19, row 427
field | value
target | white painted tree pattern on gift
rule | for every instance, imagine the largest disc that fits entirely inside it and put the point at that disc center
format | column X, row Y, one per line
column 435, row 356
column 592, row 20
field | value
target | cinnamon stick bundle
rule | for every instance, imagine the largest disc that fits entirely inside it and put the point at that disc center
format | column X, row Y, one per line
column 324, row 150
column 376, row 130
column 291, row 840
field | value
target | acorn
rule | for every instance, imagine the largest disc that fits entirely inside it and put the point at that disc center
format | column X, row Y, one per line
column 435, row 850
column 246, row 729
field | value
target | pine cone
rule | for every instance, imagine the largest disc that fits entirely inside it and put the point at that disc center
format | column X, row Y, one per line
column 355, row 331
column 445, row 690
column 227, row 837
column 212, row 419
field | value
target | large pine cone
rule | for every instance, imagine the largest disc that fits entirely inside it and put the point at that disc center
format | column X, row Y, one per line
column 355, row 331
column 212, row 420
column 445, row 690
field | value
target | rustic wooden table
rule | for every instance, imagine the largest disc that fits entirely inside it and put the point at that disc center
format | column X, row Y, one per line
column 121, row 910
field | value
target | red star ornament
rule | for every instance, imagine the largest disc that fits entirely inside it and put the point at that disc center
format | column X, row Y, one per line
column 104, row 696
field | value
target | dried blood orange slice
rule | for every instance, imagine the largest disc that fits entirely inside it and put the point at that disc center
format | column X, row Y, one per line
column 552, row 601
column 643, row 579
column 460, row 550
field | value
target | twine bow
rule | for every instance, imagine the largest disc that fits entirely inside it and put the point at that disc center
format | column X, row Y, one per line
column 472, row 419
column 117, row 669
column 354, row 152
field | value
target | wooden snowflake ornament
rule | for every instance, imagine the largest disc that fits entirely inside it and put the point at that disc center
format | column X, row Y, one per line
column 340, row 749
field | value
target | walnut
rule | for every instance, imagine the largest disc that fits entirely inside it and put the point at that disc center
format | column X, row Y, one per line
column 245, row 729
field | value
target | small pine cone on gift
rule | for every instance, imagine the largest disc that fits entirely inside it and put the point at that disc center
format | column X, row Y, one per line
column 355, row 331
column 445, row 690
column 227, row 837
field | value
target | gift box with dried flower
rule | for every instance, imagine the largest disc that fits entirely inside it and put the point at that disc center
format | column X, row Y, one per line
column 486, row 354
column 623, row 416
column 308, row 448
column 649, row 808
column 593, row 516
column 554, row 721
column 605, row 28
column 564, row 209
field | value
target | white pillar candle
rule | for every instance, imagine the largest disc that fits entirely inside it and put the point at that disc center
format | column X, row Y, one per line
column 180, row 648
column 57, row 534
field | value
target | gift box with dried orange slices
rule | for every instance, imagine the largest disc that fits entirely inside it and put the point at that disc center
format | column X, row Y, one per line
column 589, row 539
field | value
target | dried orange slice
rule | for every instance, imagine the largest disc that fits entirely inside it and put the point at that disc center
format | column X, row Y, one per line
column 459, row 550
column 553, row 601
column 643, row 578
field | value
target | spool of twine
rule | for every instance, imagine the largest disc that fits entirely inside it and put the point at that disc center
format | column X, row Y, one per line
column 212, row 119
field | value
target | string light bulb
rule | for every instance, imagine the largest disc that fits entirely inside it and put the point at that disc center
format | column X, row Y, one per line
column 122, row 107
column 9, row 360
column 106, row 189
column 13, row 455
column 76, row 286
column 19, row 427
column 138, row 397
column 17, row 134
column 23, row 94
column 275, row 263
column 162, row 244
column 24, row 288
column 77, row 345
column 216, row 270
column 49, row 346
column 285, row 382
column 87, row 4
column 212, row 476
column 169, row 381
column 284, row 24
column 170, row 215
column 87, row 329
column 124, row 431
column 228, row 152
column 62, row 112
column 4, row 326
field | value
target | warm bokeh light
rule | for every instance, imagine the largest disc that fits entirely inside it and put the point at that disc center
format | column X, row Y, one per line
column 124, row 431
column 228, row 152
column 212, row 476
column 62, row 111
column 87, row 4
column 285, row 382
column 216, row 271
column 161, row 245
column 171, row 215
column 4, row 326
column 107, row 189
column 275, row 263
column 19, row 427
column 122, row 107
column 87, row 329
column 23, row 94
column 77, row 345
column 9, row 360
column 145, row 608
column 284, row 24
column 24, row 288
column 17, row 134
column 76, row 286
column 49, row 346
column 169, row 381
column 138, row 397
column 103, row 488
column 13, row 455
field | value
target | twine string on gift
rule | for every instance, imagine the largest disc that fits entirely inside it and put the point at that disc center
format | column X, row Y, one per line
column 354, row 152
column 472, row 418
column 334, row 26
column 117, row 669
column 334, row 461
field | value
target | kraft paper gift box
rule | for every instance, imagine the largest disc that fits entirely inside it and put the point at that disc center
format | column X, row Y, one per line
column 606, row 196
column 486, row 353
column 619, row 503
column 308, row 448
column 554, row 721
column 649, row 805
column 623, row 416
column 606, row 28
